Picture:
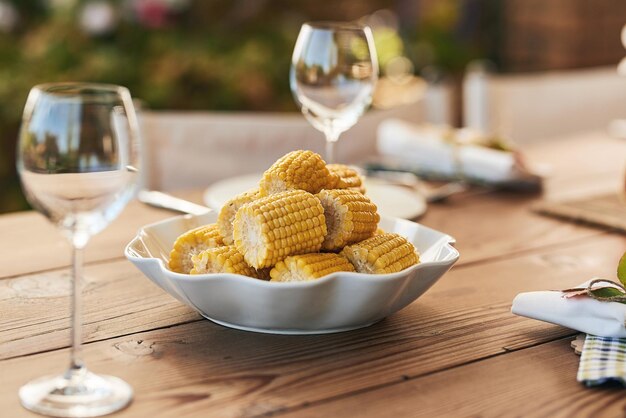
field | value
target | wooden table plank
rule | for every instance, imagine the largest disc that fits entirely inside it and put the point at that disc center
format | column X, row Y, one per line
column 30, row 243
column 118, row 300
column 536, row 382
column 501, row 225
column 238, row 373
column 201, row 369
column 198, row 368
column 40, row 324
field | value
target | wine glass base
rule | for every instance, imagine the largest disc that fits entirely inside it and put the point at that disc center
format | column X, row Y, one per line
column 76, row 394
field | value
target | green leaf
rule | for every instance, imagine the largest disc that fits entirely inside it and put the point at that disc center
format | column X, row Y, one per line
column 621, row 270
column 607, row 292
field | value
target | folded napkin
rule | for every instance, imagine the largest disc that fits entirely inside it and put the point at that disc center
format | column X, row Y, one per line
column 603, row 359
column 584, row 314
column 449, row 153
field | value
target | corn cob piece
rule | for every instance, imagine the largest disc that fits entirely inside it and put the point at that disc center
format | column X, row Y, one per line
column 222, row 260
column 381, row 254
column 276, row 226
column 350, row 217
column 347, row 177
column 191, row 243
column 306, row 267
column 227, row 214
column 297, row 170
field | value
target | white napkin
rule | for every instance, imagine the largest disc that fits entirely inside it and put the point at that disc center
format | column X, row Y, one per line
column 426, row 149
column 605, row 319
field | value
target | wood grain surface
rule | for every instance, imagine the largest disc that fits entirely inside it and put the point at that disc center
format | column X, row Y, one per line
column 534, row 382
column 32, row 244
column 457, row 351
column 607, row 211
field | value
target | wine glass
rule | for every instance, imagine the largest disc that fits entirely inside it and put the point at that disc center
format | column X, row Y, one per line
column 334, row 70
column 78, row 160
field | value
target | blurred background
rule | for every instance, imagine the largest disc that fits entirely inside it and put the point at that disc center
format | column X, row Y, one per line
column 193, row 55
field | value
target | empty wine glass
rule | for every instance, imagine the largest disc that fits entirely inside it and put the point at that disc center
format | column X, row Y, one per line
column 78, row 160
column 334, row 70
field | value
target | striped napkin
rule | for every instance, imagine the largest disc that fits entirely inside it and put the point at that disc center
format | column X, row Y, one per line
column 603, row 359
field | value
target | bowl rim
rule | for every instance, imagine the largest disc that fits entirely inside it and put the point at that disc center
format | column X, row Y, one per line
column 132, row 256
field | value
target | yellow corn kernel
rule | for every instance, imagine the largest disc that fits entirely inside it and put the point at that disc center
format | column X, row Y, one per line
column 309, row 267
column 350, row 217
column 379, row 231
column 191, row 243
column 297, row 170
column 222, row 260
column 227, row 214
column 347, row 177
column 276, row 226
column 381, row 254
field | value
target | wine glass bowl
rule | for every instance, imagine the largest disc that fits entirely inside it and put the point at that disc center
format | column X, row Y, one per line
column 78, row 159
column 333, row 74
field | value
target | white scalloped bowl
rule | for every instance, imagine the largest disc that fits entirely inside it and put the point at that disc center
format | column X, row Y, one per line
column 338, row 302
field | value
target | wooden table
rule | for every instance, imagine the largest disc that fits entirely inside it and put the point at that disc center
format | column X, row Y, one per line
column 457, row 351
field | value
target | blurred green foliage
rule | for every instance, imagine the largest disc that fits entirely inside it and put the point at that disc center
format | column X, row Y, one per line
column 185, row 54
column 198, row 60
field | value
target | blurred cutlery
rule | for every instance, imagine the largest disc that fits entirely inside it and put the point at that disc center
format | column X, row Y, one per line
column 166, row 201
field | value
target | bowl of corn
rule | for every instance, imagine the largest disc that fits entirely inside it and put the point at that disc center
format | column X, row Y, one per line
column 304, row 253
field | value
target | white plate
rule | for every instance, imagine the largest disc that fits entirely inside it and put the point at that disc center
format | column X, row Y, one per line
column 391, row 200
column 338, row 302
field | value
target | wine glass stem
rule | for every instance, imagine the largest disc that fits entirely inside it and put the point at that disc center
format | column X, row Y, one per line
column 331, row 140
column 77, row 282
